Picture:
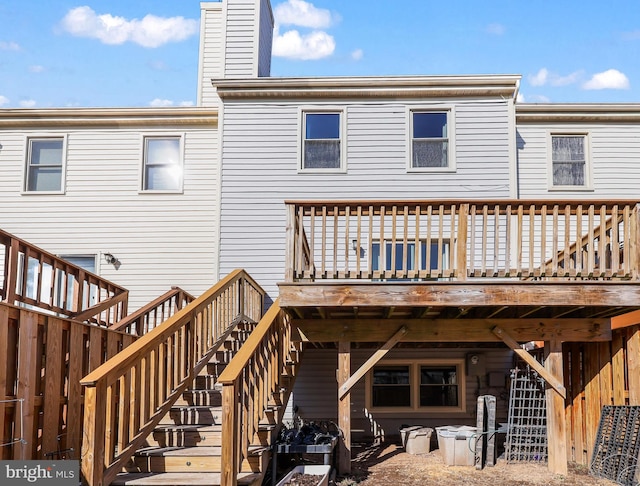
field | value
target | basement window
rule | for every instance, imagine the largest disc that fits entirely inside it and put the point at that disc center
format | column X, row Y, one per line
column 420, row 385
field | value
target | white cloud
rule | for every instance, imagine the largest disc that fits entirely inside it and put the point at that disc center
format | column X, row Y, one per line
column 151, row 31
column 158, row 66
column 9, row 46
column 4, row 100
column 159, row 102
column 574, row 77
column 28, row 103
column 610, row 79
column 540, row 78
column 496, row 29
column 186, row 103
column 520, row 98
column 544, row 76
column 293, row 45
column 357, row 54
column 36, row 69
column 302, row 14
column 631, row 36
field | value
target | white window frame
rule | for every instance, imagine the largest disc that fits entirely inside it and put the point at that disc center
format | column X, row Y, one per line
column 342, row 112
column 27, row 165
column 451, row 153
column 414, row 380
column 588, row 179
column 143, row 165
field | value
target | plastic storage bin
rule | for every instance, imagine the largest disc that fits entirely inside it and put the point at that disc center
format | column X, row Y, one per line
column 457, row 444
column 321, row 471
column 418, row 440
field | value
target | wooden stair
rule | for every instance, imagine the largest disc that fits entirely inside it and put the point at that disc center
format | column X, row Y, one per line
column 185, row 448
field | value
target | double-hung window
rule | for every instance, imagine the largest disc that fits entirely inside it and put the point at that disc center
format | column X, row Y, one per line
column 433, row 385
column 569, row 161
column 45, row 157
column 162, row 169
column 322, row 146
column 430, row 140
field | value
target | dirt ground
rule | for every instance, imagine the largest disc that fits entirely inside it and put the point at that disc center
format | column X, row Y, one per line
column 390, row 465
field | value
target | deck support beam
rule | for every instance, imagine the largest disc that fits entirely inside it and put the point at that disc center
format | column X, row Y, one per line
column 548, row 376
column 344, row 408
column 370, row 363
column 556, row 423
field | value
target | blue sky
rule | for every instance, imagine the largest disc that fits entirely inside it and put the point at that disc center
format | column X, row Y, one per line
column 57, row 53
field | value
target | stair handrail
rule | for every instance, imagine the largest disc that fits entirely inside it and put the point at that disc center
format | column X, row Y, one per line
column 154, row 313
column 127, row 396
column 58, row 286
column 249, row 382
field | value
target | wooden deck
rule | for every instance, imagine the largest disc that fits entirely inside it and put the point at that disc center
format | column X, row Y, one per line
column 411, row 272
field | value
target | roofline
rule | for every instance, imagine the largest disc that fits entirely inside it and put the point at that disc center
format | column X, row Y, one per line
column 366, row 87
column 577, row 112
column 107, row 117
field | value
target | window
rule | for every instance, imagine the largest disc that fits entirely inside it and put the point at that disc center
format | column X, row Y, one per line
column 569, row 161
column 425, row 385
column 438, row 386
column 44, row 165
column 162, row 164
column 322, row 141
column 437, row 257
column 430, row 140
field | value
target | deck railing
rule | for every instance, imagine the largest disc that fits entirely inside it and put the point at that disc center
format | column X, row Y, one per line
column 154, row 313
column 36, row 278
column 252, row 382
column 126, row 397
column 431, row 240
column 42, row 359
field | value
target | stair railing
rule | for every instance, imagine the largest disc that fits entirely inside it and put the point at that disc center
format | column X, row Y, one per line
column 154, row 313
column 250, row 382
column 36, row 278
column 127, row 396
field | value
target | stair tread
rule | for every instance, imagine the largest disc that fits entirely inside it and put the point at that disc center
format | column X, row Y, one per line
column 177, row 451
column 187, row 427
column 179, row 479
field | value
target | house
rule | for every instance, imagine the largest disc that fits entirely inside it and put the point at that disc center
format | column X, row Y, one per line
column 409, row 231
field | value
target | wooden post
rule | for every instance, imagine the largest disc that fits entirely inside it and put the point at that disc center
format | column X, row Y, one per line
column 344, row 408
column 230, row 432
column 27, row 359
column 93, row 465
column 11, row 272
column 633, row 364
column 556, row 423
column 461, row 244
column 290, row 238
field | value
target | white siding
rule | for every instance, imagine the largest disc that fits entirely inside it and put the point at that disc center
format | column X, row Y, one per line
column 316, row 390
column 211, row 52
column 614, row 154
column 160, row 239
column 241, row 37
column 266, row 39
column 261, row 159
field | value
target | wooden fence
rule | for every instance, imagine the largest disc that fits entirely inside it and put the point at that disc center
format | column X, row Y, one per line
column 32, row 277
column 42, row 359
column 598, row 374
column 462, row 239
